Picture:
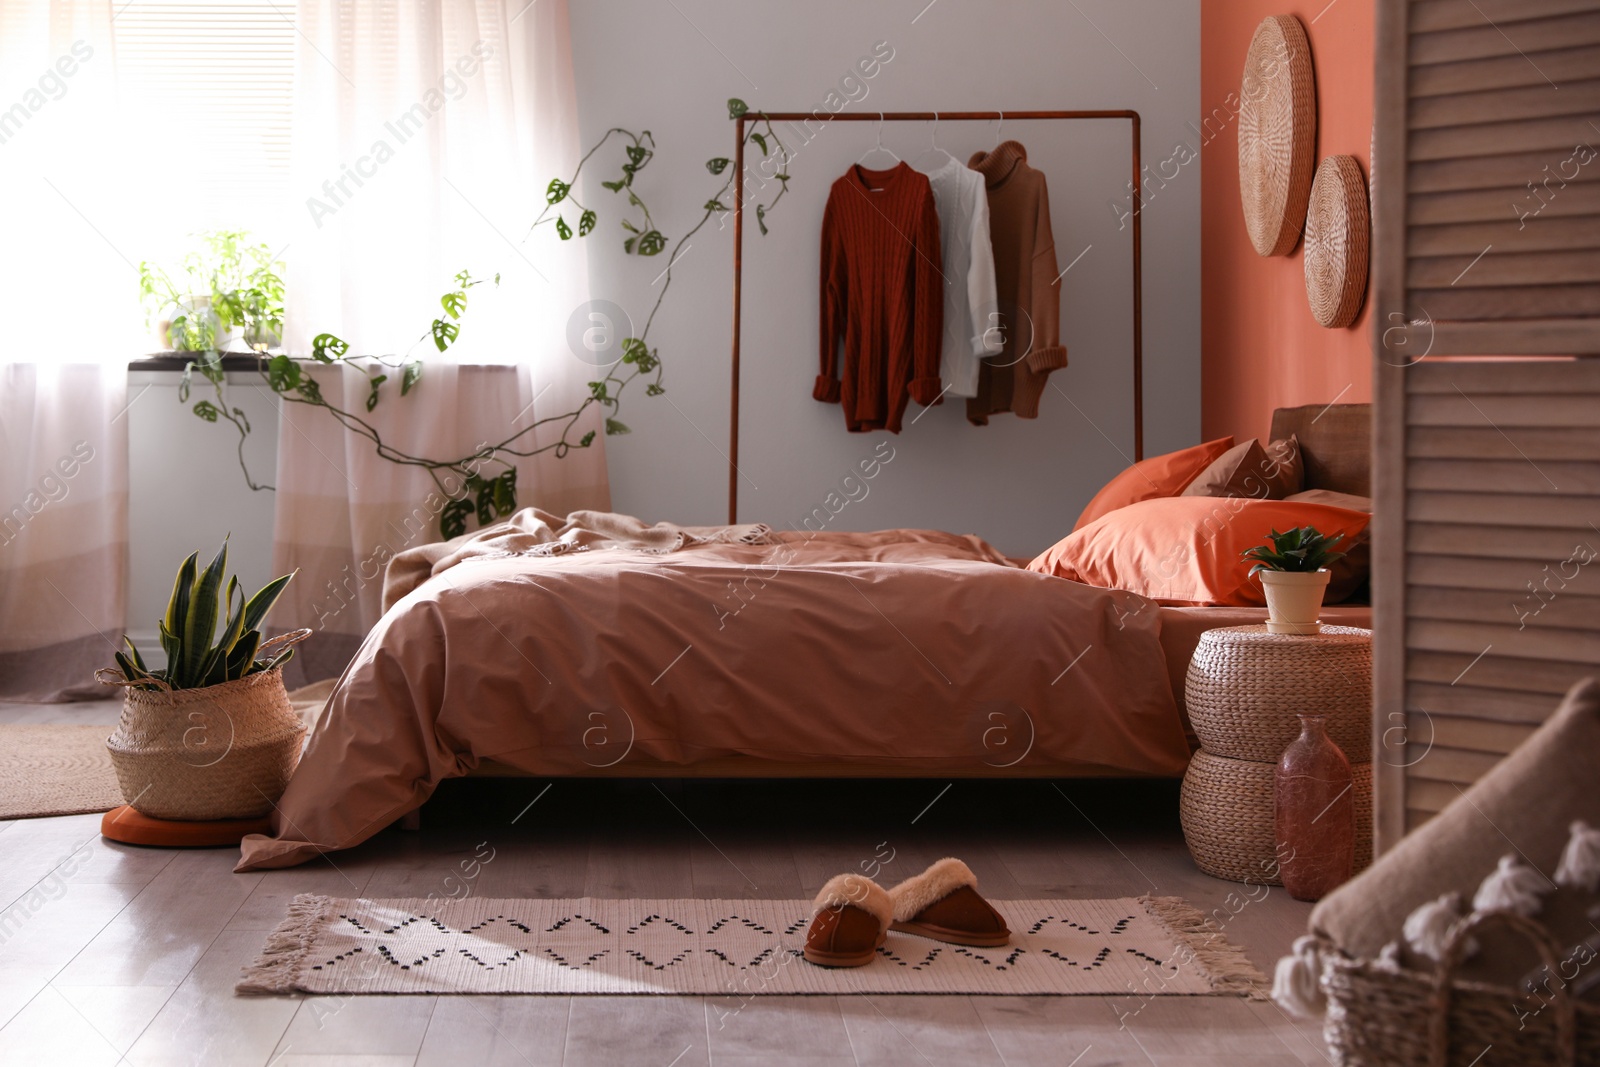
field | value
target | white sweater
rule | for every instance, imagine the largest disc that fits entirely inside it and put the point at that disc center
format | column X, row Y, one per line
column 968, row 267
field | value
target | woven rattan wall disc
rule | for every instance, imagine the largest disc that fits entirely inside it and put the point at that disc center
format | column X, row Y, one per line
column 1277, row 134
column 1336, row 242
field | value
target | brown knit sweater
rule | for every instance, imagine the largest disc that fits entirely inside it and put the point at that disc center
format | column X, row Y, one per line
column 1028, row 289
column 882, row 297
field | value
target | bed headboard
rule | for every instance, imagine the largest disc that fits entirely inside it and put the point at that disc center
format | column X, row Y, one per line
column 1336, row 440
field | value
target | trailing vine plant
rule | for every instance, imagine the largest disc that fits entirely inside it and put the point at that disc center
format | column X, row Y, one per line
column 486, row 496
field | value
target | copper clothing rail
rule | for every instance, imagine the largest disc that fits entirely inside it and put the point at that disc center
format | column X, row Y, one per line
column 921, row 116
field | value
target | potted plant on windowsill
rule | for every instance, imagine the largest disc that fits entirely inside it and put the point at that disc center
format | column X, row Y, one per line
column 211, row 735
column 225, row 290
column 1293, row 567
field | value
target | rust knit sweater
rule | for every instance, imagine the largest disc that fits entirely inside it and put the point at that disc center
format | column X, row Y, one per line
column 882, row 297
column 1026, row 283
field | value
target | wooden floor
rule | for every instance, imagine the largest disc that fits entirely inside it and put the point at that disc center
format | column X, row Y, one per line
column 131, row 957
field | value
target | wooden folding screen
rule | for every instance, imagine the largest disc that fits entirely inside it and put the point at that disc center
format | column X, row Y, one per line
column 1486, row 188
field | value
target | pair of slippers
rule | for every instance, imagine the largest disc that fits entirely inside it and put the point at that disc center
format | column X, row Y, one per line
column 852, row 916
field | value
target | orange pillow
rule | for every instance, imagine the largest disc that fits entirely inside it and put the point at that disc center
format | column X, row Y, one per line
column 1157, row 476
column 1186, row 549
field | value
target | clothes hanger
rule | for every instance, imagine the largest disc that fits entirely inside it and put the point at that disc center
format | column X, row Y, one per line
column 933, row 144
column 879, row 146
column 998, row 127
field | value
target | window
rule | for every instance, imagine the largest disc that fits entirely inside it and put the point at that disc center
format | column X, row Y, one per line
column 211, row 82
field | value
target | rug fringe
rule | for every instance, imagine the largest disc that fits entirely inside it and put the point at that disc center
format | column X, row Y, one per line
column 1224, row 964
column 278, row 966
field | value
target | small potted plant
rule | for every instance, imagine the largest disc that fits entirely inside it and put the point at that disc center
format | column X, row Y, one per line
column 212, row 734
column 227, row 289
column 1293, row 566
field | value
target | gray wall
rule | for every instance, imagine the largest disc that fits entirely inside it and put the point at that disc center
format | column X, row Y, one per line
column 671, row 67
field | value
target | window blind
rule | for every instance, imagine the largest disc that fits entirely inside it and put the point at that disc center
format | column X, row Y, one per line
column 212, row 82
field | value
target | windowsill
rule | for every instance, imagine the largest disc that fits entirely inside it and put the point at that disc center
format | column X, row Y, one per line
column 249, row 361
column 176, row 361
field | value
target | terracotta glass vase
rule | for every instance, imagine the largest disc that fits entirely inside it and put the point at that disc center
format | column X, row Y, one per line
column 1316, row 815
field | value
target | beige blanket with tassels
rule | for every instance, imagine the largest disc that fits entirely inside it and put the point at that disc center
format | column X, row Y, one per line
column 532, row 532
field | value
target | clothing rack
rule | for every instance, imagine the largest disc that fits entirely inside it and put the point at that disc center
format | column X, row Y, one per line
column 920, row 116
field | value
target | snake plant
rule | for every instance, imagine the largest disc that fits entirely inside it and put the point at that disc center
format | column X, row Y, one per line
column 1303, row 549
column 196, row 657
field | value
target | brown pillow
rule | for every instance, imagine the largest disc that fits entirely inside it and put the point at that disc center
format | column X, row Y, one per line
column 1333, row 498
column 1248, row 470
column 1287, row 466
column 1350, row 574
column 1525, row 805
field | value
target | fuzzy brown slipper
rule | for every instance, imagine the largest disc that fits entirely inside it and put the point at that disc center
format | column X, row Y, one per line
column 849, row 921
column 942, row 903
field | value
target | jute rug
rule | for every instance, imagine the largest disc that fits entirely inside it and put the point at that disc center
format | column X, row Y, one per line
column 1147, row 945
column 55, row 770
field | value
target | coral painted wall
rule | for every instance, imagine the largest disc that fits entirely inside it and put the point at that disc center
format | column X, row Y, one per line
column 1260, row 347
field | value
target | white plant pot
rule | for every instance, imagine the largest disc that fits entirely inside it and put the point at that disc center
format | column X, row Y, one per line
column 1294, row 600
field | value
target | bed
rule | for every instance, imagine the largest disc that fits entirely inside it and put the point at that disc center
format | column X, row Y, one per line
column 597, row 646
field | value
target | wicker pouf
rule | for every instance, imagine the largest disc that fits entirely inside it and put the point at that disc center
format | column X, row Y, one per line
column 1245, row 687
column 1227, row 812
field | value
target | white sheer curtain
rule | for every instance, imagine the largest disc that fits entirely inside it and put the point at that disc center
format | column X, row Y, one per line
column 423, row 137
column 63, row 369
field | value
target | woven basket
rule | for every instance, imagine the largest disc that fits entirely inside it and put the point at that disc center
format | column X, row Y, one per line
column 1229, row 817
column 1336, row 242
column 1277, row 134
column 1245, row 687
column 1383, row 1017
column 222, row 752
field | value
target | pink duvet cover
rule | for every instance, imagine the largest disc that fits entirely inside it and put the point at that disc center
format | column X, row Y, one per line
column 912, row 649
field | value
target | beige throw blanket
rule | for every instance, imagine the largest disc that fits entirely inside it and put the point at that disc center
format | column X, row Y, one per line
column 532, row 532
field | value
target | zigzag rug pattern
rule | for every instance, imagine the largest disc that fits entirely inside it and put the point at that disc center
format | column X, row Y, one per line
column 1127, row 946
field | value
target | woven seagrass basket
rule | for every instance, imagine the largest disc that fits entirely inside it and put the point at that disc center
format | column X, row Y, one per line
column 222, row 752
column 1245, row 687
column 1384, row 1017
column 1229, row 817
column 1337, row 235
column 1277, row 134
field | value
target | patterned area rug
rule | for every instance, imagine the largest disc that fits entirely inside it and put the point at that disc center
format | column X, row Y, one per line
column 1147, row 945
column 55, row 770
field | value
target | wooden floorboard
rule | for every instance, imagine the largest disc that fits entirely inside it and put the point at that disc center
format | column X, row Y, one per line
column 132, row 957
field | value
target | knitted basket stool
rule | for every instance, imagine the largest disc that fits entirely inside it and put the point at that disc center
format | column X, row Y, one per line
column 1229, row 818
column 1244, row 689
